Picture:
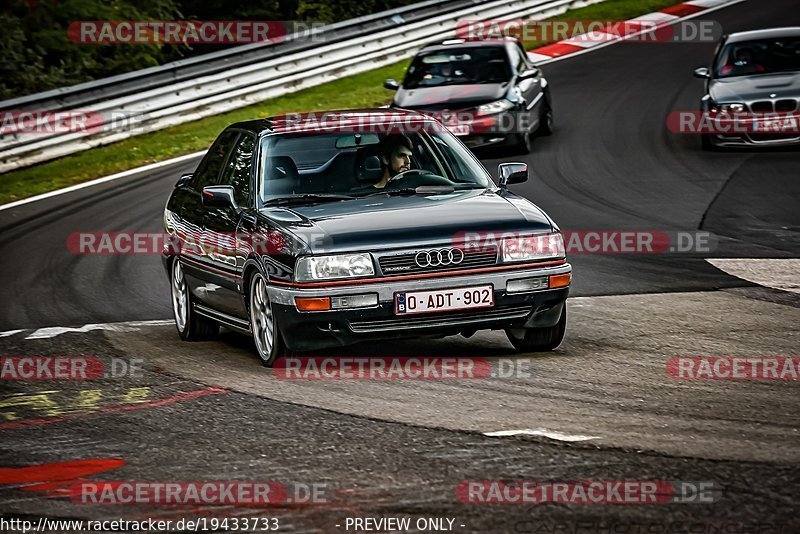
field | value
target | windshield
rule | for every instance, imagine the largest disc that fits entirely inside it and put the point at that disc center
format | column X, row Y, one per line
column 330, row 164
column 763, row 56
column 458, row 67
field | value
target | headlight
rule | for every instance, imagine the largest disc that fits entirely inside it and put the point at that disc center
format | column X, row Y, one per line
column 533, row 247
column 727, row 108
column 329, row 267
column 497, row 106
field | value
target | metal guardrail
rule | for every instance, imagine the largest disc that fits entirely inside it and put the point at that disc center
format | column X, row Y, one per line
column 236, row 78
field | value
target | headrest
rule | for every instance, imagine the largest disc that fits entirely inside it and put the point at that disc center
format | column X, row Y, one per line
column 280, row 168
column 370, row 169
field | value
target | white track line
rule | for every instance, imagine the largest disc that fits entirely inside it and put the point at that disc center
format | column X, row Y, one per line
column 102, row 180
column 537, row 58
column 10, row 333
column 53, row 331
column 552, row 434
column 631, row 36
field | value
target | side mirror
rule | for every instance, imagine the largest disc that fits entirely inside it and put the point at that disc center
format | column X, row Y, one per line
column 391, row 84
column 183, row 180
column 528, row 73
column 220, row 196
column 702, row 72
column 512, row 173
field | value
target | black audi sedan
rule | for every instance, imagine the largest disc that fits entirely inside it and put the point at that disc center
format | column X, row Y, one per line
column 365, row 225
column 754, row 77
column 487, row 92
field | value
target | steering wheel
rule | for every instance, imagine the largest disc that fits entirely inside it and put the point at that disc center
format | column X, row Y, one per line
column 425, row 177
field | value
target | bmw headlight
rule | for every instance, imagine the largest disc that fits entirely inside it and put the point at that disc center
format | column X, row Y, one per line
column 312, row 268
column 498, row 106
column 728, row 108
column 533, row 247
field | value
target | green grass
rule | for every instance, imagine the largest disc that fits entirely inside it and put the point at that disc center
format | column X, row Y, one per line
column 358, row 91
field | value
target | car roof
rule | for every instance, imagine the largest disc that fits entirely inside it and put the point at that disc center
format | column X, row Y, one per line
column 772, row 33
column 321, row 120
column 468, row 43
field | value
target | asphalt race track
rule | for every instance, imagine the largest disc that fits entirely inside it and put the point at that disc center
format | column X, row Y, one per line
column 601, row 407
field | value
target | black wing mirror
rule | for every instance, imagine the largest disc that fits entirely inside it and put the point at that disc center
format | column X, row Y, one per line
column 220, row 196
column 512, row 173
column 391, row 84
column 183, row 180
column 702, row 72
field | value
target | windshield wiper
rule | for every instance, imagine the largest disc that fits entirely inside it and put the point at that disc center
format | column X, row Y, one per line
column 309, row 197
column 421, row 190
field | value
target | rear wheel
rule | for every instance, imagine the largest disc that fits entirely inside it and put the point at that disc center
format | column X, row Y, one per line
column 263, row 323
column 539, row 339
column 190, row 326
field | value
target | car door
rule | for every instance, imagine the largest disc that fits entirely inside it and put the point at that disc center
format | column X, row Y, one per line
column 526, row 85
column 193, row 242
column 222, row 224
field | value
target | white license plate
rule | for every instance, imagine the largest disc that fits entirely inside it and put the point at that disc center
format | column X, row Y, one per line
column 440, row 300
column 459, row 129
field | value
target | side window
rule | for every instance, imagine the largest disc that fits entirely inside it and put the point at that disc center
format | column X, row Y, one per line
column 207, row 172
column 237, row 171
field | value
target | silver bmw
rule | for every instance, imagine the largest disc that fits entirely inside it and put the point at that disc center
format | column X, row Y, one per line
column 755, row 78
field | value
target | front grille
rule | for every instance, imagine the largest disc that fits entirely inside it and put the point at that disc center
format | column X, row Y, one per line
column 436, row 320
column 762, row 106
column 786, row 105
column 405, row 263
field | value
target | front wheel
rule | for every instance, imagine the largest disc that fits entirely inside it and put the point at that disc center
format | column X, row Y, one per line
column 539, row 339
column 523, row 144
column 263, row 323
column 190, row 325
column 546, row 121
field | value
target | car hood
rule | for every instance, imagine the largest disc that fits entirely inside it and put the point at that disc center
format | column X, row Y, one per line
column 758, row 87
column 449, row 96
column 384, row 223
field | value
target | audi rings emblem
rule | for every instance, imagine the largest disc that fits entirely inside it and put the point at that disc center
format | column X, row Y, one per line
column 439, row 258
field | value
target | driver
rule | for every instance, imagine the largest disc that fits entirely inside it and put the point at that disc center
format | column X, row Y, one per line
column 395, row 158
column 743, row 63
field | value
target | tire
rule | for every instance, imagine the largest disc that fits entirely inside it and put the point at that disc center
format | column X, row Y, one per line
column 523, row 145
column 705, row 142
column 263, row 323
column 190, row 325
column 539, row 339
column 546, row 121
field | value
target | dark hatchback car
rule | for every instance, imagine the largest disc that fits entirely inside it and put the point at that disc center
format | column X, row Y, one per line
column 753, row 73
column 282, row 234
column 504, row 97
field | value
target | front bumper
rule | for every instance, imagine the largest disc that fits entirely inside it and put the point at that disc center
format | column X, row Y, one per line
column 303, row 331
column 748, row 140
